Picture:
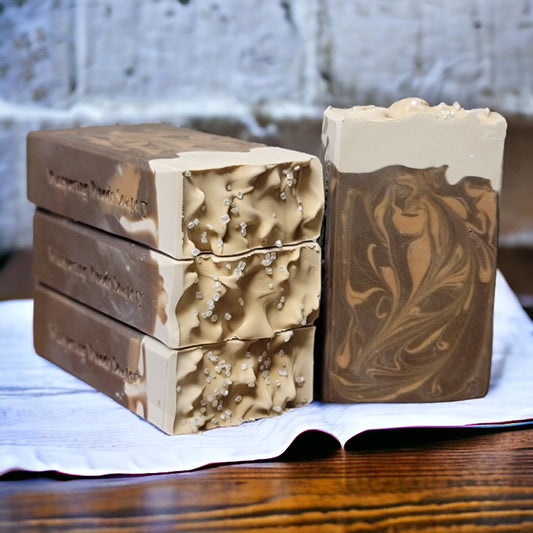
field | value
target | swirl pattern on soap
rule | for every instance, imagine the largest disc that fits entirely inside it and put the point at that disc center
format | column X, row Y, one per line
column 140, row 142
column 415, row 267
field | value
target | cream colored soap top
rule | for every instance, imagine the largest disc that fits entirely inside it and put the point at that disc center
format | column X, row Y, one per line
column 229, row 202
column 412, row 133
column 204, row 160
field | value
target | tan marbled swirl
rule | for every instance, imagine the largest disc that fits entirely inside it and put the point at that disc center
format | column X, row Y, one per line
column 413, row 285
column 229, row 383
column 137, row 143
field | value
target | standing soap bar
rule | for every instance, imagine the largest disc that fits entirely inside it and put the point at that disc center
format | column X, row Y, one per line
column 411, row 251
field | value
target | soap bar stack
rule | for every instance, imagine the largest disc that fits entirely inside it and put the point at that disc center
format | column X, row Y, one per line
column 178, row 271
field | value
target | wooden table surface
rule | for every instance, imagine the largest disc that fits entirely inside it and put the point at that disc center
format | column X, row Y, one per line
column 468, row 480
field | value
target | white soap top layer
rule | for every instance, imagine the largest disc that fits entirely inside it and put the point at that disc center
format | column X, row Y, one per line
column 198, row 160
column 413, row 134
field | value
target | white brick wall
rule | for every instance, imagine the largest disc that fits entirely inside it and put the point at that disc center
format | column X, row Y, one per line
column 36, row 52
column 478, row 52
column 250, row 63
column 242, row 50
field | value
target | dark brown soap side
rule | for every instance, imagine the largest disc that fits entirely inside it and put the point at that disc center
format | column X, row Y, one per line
column 100, row 351
column 75, row 172
column 68, row 258
column 409, row 286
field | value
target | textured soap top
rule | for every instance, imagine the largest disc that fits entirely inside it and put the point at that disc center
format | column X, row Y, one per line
column 179, row 191
column 414, row 134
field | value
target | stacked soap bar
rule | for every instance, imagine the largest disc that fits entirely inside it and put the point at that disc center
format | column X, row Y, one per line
column 178, row 271
column 180, row 302
column 179, row 391
column 410, row 287
column 175, row 190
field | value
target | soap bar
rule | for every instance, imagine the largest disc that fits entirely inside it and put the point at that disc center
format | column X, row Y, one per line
column 201, row 300
column 175, row 190
column 411, row 245
column 179, row 391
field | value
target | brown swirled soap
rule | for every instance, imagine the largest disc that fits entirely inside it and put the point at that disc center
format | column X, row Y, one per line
column 411, row 245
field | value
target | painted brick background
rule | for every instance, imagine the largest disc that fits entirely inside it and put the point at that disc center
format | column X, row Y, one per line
column 257, row 69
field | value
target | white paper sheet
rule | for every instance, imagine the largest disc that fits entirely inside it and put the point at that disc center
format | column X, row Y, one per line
column 49, row 420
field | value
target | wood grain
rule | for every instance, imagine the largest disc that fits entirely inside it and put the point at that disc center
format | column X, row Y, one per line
column 392, row 481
